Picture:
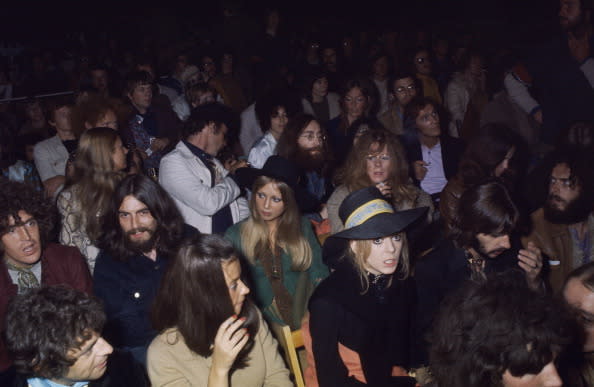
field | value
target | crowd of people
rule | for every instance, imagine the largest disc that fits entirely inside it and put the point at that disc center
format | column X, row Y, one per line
column 417, row 224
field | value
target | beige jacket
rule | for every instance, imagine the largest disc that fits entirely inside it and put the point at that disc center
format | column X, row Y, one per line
column 171, row 363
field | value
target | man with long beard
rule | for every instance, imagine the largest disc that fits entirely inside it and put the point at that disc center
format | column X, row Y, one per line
column 141, row 230
column 305, row 143
column 564, row 227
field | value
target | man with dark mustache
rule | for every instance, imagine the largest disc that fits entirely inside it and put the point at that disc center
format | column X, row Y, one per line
column 142, row 228
column 564, row 227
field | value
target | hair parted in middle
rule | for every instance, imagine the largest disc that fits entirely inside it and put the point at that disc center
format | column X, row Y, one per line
column 486, row 208
column 170, row 223
column 194, row 296
column 254, row 232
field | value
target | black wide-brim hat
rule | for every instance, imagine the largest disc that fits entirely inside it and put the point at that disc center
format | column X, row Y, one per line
column 279, row 168
column 366, row 214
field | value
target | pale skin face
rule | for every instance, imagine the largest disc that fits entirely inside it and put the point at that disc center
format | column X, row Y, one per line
column 493, row 245
column 311, row 137
column 569, row 13
column 61, row 120
column 547, row 377
column 22, row 242
column 91, row 361
column 423, row 63
column 428, row 124
column 379, row 164
column 136, row 220
column 217, row 139
column 119, row 155
column 278, row 122
column 269, row 204
column 582, row 299
column 384, row 255
column 237, row 289
column 404, row 90
column 355, row 103
column 142, row 97
column 560, row 191
column 99, row 80
column 320, row 89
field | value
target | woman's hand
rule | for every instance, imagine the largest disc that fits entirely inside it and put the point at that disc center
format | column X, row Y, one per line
column 230, row 339
column 420, row 169
column 385, row 189
column 530, row 260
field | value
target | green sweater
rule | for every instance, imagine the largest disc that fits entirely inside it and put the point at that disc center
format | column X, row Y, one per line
column 299, row 284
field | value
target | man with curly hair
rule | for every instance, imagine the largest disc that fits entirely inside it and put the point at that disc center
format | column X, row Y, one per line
column 28, row 261
column 54, row 334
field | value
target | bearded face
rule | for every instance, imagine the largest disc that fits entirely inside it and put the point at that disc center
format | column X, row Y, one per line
column 566, row 202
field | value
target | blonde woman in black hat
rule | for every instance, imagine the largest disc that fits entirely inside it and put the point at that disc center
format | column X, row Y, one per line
column 278, row 243
column 360, row 316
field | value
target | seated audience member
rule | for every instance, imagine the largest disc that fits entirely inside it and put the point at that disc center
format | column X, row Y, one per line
column 377, row 159
column 357, row 101
column 499, row 333
column 141, row 230
column 278, row 243
column 144, row 131
column 96, row 112
column 361, row 315
column 317, row 101
column 481, row 241
column 423, row 69
column 578, row 292
column 210, row 332
column 100, row 160
column 18, row 163
column 36, row 123
column 380, row 69
column 273, row 112
column 227, row 84
column 204, row 191
column 195, row 95
column 432, row 154
column 100, row 79
column 403, row 88
column 54, row 335
column 490, row 154
column 563, row 228
column 304, row 143
column 28, row 260
column 52, row 154
column 466, row 96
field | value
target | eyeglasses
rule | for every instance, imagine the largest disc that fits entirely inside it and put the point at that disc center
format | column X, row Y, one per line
column 311, row 137
column 404, row 89
column 422, row 60
column 382, row 157
column 566, row 182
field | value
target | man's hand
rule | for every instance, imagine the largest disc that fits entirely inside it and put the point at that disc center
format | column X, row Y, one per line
column 234, row 165
column 530, row 260
column 159, row 144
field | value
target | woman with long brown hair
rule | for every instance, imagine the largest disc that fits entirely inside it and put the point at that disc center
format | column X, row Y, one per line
column 210, row 333
column 97, row 169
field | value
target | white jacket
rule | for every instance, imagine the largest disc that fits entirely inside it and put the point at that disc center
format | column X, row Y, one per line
column 185, row 177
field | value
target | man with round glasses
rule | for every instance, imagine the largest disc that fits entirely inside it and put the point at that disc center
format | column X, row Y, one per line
column 403, row 88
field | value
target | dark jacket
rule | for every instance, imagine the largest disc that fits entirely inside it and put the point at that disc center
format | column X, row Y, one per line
column 376, row 325
column 60, row 265
column 442, row 271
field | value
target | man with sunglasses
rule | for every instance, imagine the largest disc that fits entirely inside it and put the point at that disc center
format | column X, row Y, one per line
column 564, row 227
column 403, row 89
column 203, row 190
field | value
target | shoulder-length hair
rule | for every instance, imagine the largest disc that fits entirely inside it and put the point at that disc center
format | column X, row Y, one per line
column 255, row 236
column 94, row 177
column 484, row 329
column 170, row 224
column 486, row 208
column 486, row 151
column 354, row 172
column 361, row 251
column 194, row 296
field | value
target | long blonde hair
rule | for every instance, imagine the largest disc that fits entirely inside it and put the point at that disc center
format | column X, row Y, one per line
column 94, row 177
column 254, row 233
column 361, row 251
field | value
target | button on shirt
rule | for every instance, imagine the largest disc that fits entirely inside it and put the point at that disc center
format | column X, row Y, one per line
column 435, row 179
